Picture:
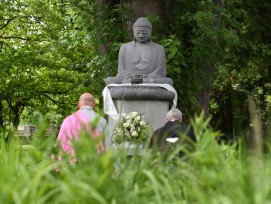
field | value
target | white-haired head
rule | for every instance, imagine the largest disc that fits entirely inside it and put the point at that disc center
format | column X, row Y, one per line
column 174, row 114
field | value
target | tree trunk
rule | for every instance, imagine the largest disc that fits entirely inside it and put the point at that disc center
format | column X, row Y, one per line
column 1, row 114
column 16, row 116
column 146, row 7
column 99, row 15
column 209, row 68
column 143, row 8
column 205, row 93
column 256, row 136
column 269, row 73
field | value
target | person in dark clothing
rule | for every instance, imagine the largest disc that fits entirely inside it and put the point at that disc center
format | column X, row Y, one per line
column 173, row 132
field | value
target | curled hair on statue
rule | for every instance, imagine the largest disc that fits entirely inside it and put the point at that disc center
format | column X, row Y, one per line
column 142, row 22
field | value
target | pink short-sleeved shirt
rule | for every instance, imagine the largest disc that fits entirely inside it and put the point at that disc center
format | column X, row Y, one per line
column 70, row 129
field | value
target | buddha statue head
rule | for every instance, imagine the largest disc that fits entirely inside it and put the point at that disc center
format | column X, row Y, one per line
column 142, row 29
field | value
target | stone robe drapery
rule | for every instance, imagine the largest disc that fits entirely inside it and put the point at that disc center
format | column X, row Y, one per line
column 155, row 67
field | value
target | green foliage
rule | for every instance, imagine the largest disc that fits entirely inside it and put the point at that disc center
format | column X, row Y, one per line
column 177, row 69
column 224, row 47
column 211, row 174
column 218, row 52
column 35, row 70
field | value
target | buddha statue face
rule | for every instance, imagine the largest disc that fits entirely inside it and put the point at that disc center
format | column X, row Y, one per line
column 142, row 29
column 142, row 34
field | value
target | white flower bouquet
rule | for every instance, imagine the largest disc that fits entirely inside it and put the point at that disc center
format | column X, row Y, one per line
column 131, row 128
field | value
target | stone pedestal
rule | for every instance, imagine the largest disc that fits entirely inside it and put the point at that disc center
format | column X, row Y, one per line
column 154, row 111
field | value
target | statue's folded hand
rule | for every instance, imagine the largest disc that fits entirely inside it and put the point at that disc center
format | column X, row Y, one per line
column 150, row 79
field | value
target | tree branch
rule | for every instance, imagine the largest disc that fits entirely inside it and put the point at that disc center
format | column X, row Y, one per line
column 1, row 44
column 53, row 100
column 8, row 21
column 14, row 37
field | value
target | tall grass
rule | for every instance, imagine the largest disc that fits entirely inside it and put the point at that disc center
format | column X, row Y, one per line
column 212, row 173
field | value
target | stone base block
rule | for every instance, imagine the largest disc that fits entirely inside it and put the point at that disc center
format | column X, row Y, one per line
column 154, row 111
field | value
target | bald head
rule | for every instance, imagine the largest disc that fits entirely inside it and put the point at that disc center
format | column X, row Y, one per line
column 86, row 99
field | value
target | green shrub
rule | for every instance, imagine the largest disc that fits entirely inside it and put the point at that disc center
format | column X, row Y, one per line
column 212, row 173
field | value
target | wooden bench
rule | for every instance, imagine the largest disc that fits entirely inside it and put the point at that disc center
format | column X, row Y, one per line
column 25, row 132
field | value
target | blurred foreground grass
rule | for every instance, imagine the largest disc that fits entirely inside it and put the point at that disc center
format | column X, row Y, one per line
column 213, row 173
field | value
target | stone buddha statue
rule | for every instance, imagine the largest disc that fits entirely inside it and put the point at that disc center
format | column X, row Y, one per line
column 141, row 57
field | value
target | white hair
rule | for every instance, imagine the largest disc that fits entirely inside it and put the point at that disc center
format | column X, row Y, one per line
column 174, row 114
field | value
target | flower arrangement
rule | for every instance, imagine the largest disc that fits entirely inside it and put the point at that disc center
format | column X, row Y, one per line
column 131, row 128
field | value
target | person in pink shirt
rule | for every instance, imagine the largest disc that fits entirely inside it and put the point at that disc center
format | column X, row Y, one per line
column 81, row 121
